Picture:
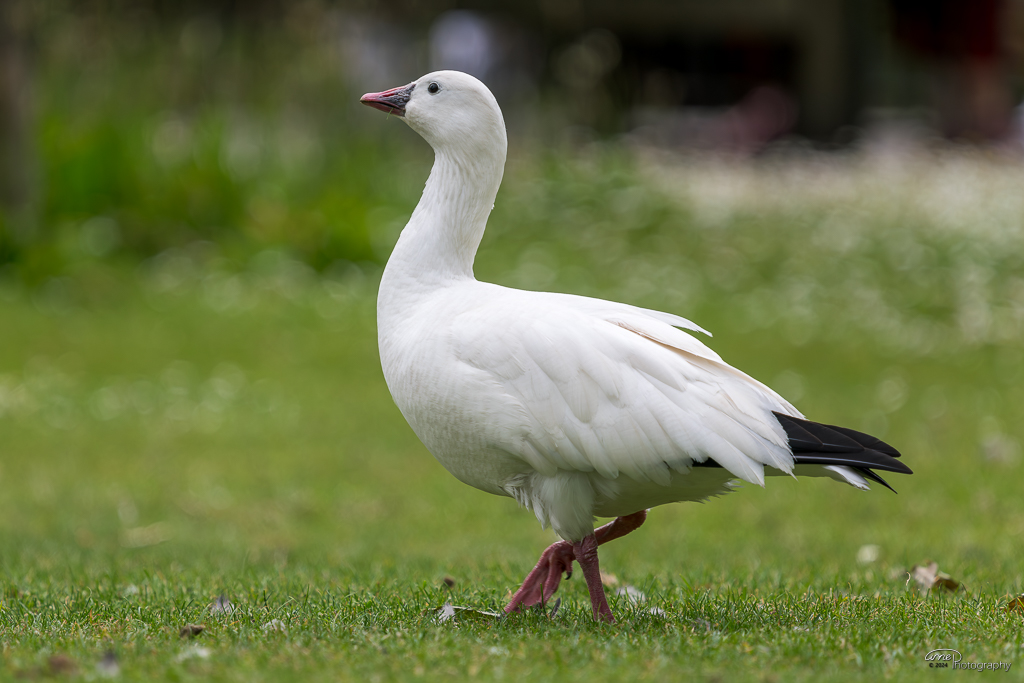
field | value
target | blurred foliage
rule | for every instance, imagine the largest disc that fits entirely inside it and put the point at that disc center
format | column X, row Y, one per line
column 155, row 134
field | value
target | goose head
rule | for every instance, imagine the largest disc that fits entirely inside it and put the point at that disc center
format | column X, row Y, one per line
column 453, row 111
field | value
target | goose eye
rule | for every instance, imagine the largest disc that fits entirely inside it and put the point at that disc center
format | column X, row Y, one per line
column 433, row 88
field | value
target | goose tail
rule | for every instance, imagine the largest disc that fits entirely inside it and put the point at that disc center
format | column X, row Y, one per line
column 834, row 447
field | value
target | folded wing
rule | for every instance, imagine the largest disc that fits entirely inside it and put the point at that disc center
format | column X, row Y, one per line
column 592, row 386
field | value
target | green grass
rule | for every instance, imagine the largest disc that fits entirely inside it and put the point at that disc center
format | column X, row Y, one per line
column 202, row 426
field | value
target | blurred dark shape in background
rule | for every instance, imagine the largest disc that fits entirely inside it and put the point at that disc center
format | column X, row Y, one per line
column 493, row 50
column 131, row 127
column 963, row 44
column 17, row 158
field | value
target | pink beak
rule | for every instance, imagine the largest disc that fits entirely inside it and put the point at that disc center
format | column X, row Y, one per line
column 392, row 101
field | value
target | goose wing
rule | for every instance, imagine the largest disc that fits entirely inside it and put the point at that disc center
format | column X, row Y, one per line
column 589, row 385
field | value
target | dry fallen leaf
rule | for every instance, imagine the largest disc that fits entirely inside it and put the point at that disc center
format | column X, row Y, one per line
column 448, row 581
column 924, row 575
column 1016, row 605
column 609, row 580
column 929, row 578
column 191, row 630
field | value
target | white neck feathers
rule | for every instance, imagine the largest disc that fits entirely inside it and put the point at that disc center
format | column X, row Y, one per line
column 439, row 243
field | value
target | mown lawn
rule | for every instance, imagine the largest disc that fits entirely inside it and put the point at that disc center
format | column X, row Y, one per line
column 204, row 441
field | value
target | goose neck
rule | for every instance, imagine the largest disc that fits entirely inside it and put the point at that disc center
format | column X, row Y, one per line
column 442, row 236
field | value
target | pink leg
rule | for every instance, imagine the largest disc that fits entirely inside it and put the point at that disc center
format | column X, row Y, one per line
column 541, row 583
column 620, row 526
column 586, row 555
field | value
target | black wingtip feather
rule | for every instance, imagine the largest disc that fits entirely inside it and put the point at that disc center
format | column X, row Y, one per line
column 874, row 477
column 834, row 439
column 814, row 443
column 868, row 441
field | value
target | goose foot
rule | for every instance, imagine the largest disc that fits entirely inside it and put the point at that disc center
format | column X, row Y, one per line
column 542, row 582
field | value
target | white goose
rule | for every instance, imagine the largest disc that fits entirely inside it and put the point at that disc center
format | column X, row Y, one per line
column 575, row 407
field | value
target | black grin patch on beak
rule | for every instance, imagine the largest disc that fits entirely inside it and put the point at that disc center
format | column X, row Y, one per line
column 391, row 101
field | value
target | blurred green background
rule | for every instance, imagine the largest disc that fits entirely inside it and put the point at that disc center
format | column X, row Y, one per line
column 146, row 132
column 128, row 128
column 196, row 211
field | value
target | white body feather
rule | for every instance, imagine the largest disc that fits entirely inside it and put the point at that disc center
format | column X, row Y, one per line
column 574, row 406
